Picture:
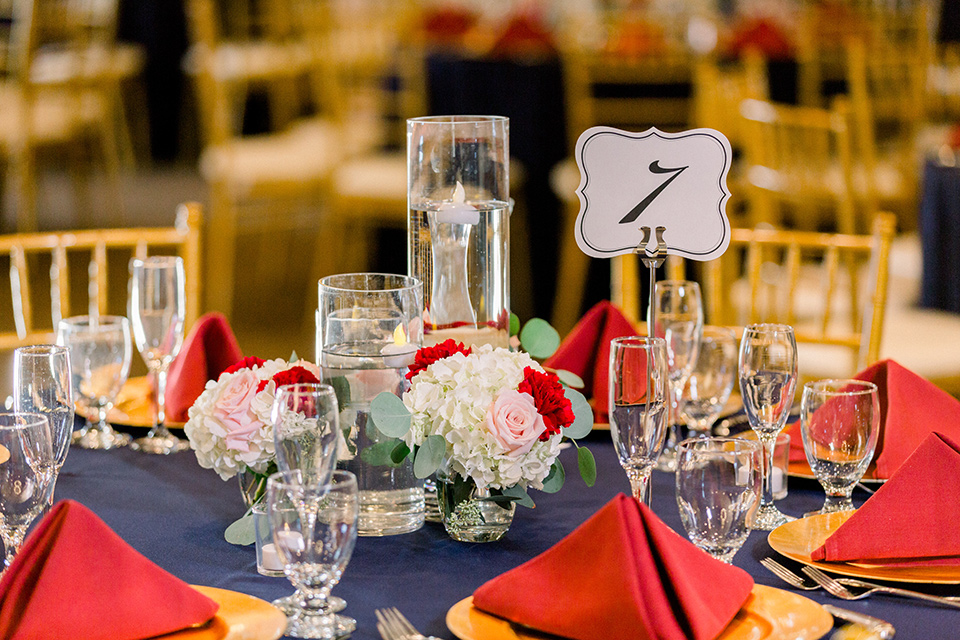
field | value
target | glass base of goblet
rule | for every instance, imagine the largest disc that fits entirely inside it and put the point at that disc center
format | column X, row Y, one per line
column 325, row 627
column 834, row 504
column 160, row 443
column 769, row 518
column 289, row 605
column 100, row 436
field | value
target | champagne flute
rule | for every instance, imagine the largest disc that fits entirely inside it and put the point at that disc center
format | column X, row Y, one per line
column 840, row 425
column 638, row 407
column 157, row 306
column 679, row 321
column 100, row 354
column 314, row 528
column 768, row 379
column 25, row 459
column 709, row 384
column 42, row 384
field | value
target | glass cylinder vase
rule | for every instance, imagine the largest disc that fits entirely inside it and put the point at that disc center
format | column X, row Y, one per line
column 458, row 225
column 469, row 513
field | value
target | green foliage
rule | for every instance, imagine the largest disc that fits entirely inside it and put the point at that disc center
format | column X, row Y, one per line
column 555, row 479
column 341, row 387
column 381, row 453
column 521, row 496
column 539, row 339
column 569, row 378
column 429, row 456
column 587, row 465
column 514, row 324
column 390, row 415
column 242, row 532
column 582, row 413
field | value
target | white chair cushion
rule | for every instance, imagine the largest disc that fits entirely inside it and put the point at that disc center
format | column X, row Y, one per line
column 378, row 176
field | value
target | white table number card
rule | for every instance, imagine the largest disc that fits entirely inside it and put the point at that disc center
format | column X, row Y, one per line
column 652, row 179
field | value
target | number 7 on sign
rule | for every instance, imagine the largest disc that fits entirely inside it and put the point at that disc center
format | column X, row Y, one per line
column 643, row 204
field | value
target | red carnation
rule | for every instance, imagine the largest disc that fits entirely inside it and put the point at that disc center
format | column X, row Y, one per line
column 249, row 362
column 293, row 375
column 428, row 355
column 548, row 397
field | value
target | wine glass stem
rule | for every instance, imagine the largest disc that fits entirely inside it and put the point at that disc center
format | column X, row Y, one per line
column 12, row 539
column 640, row 484
column 768, row 442
column 161, row 378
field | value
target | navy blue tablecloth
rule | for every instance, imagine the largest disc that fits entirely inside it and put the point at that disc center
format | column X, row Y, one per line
column 175, row 513
column 940, row 237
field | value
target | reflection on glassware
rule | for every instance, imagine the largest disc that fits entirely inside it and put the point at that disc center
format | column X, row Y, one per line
column 157, row 308
column 718, row 486
column 42, row 384
column 840, row 424
column 100, row 352
column 306, row 429
column 679, row 321
column 314, row 530
column 638, row 406
column 26, row 458
column 768, row 379
column 710, row 382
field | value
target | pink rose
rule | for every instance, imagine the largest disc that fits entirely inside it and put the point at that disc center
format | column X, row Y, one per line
column 514, row 422
column 233, row 410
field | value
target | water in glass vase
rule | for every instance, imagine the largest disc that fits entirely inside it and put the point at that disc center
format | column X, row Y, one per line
column 391, row 498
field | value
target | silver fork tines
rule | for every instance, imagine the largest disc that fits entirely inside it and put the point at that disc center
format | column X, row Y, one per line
column 839, row 590
column 392, row 625
column 798, row 582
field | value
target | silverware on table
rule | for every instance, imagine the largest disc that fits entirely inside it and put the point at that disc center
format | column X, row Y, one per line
column 840, row 588
column 392, row 625
column 791, row 578
column 876, row 626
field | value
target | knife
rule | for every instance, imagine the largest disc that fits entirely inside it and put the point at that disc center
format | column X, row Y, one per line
column 881, row 627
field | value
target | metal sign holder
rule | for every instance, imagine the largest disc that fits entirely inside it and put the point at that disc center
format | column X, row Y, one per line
column 652, row 261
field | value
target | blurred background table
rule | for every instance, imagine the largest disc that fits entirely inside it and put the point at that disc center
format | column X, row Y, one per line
column 940, row 236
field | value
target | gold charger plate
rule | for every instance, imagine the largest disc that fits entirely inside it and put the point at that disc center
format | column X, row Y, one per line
column 797, row 540
column 769, row 614
column 132, row 406
column 240, row 617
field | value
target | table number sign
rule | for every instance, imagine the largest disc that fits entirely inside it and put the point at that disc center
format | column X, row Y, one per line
column 631, row 181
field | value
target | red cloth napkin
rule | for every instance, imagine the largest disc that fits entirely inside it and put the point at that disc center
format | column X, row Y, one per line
column 763, row 34
column 524, row 34
column 586, row 351
column 75, row 578
column 210, row 348
column 913, row 516
column 621, row 574
column 911, row 408
column 447, row 24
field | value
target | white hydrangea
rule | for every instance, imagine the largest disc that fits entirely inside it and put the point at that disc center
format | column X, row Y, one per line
column 451, row 398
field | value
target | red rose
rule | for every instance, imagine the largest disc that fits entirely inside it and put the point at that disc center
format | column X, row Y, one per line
column 249, row 362
column 428, row 355
column 293, row 375
column 549, row 399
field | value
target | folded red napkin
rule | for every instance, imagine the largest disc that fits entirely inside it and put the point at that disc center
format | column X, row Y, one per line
column 764, row 35
column 912, row 518
column 209, row 348
column 525, row 33
column 586, row 351
column 911, row 408
column 75, row 578
column 621, row 574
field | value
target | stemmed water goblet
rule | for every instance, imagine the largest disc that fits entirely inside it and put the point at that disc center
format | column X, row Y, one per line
column 768, row 379
column 306, row 434
column 678, row 319
column 718, row 486
column 314, row 528
column 42, row 384
column 638, row 407
column 26, row 458
column 710, row 382
column 157, row 308
column 840, row 425
column 100, row 352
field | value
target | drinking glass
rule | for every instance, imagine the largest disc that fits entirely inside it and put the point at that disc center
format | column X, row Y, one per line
column 157, row 306
column 26, row 458
column 100, row 352
column 42, row 384
column 840, row 425
column 314, row 528
column 369, row 328
column 638, row 406
column 768, row 379
column 718, row 486
column 679, row 321
column 710, row 382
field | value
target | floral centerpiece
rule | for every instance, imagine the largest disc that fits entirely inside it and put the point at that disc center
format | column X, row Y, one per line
column 489, row 423
column 231, row 431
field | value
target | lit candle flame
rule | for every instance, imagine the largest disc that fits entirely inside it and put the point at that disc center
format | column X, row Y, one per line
column 399, row 337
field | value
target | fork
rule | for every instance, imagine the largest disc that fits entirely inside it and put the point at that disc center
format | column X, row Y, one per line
column 798, row 582
column 392, row 625
column 838, row 588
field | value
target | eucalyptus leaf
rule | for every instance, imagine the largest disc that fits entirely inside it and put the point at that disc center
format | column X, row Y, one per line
column 390, row 415
column 514, row 324
column 501, row 500
column 587, row 465
column 400, row 452
column 569, row 378
column 429, row 456
column 380, row 454
column 242, row 532
column 555, row 479
column 341, row 387
column 293, row 357
column 582, row 414
column 539, row 339
column 518, row 492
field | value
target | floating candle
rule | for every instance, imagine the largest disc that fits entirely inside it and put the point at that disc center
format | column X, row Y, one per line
column 457, row 211
column 400, row 353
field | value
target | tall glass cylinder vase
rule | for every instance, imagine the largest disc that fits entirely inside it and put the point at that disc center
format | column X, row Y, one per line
column 459, row 226
column 368, row 329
